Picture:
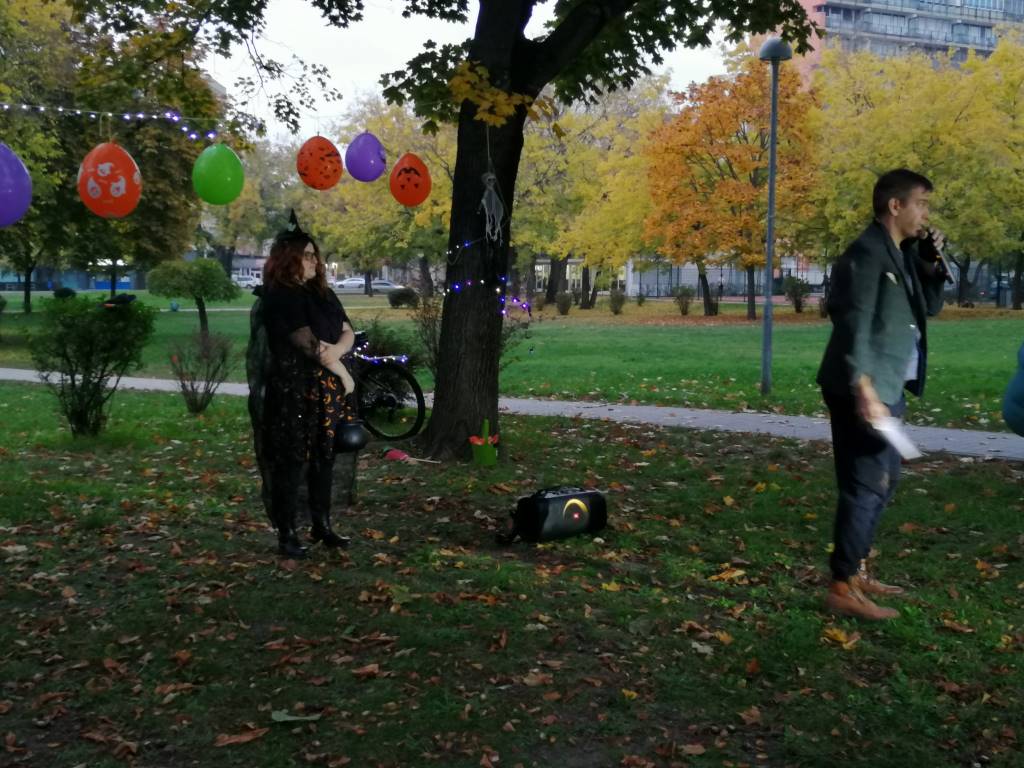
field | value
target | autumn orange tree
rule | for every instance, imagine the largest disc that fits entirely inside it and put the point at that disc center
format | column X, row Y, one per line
column 708, row 171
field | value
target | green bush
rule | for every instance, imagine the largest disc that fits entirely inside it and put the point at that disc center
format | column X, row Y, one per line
column 684, row 296
column 385, row 340
column 796, row 290
column 641, row 298
column 82, row 346
column 563, row 301
column 64, row 293
column 403, row 297
column 616, row 300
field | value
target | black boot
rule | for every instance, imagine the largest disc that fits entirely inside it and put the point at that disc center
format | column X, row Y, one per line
column 284, row 492
column 323, row 532
column 288, row 544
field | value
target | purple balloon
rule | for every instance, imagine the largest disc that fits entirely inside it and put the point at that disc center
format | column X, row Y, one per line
column 365, row 158
column 15, row 187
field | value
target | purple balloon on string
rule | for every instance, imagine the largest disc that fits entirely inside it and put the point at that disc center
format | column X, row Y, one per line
column 364, row 158
column 15, row 187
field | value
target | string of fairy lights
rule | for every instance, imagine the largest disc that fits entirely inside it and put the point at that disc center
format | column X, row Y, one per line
column 181, row 122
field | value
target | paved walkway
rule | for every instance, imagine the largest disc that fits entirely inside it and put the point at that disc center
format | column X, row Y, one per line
column 960, row 442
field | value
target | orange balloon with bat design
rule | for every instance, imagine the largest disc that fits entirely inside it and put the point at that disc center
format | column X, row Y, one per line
column 410, row 180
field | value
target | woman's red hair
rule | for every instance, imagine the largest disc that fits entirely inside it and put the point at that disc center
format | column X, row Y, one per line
column 284, row 267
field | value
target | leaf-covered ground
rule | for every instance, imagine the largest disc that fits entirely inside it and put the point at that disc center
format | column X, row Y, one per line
column 147, row 621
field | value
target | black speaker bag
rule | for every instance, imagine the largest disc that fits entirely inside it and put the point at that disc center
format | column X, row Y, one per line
column 557, row 513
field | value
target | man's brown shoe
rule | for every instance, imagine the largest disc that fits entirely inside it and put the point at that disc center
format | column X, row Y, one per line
column 869, row 585
column 846, row 599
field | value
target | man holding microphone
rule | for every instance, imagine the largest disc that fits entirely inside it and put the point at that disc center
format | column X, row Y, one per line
column 884, row 287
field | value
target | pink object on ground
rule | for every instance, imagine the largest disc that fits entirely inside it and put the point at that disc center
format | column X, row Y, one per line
column 393, row 454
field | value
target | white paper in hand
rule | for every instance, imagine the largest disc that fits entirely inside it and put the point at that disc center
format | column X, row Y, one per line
column 892, row 430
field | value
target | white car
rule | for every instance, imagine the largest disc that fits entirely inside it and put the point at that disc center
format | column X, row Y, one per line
column 245, row 281
column 350, row 285
column 358, row 285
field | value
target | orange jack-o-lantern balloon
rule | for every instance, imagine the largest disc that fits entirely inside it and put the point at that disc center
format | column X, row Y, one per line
column 109, row 181
column 410, row 180
column 319, row 163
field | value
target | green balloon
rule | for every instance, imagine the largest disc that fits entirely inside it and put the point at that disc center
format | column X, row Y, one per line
column 217, row 175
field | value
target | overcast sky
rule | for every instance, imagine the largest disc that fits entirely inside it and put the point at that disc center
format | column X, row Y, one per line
column 383, row 42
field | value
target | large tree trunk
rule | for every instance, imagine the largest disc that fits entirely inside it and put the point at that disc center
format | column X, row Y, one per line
column 26, row 301
column 426, row 281
column 531, row 281
column 585, row 302
column 1018, row 281
column 593, row 290
column 751, row 293
column 556, row 276
column 710, row 303
column 204, row 324
column 466, row 390
column 963, row 282
column 113, row 278
column 368, row 283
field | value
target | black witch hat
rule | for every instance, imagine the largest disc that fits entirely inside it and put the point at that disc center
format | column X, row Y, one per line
column 293, row 232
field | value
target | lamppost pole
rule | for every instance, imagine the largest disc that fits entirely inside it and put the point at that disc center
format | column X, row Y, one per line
column 774, row 50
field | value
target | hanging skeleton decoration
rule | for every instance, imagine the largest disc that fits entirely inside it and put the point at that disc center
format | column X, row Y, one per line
column 493, row 208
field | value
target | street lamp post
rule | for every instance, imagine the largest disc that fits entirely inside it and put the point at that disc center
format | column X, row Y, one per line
column 774, row 50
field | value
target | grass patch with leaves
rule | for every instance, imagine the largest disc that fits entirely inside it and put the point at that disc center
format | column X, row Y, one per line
column 148, row 622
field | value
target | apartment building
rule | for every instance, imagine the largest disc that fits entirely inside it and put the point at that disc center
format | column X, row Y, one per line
column 894, row 27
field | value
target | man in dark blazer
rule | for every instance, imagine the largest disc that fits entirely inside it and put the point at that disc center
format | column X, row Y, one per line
column 884, row 287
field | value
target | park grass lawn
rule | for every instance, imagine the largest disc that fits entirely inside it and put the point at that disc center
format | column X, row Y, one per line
column 147, row 619
column 652, row 355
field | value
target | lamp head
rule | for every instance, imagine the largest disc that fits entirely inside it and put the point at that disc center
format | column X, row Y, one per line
column 775, row 49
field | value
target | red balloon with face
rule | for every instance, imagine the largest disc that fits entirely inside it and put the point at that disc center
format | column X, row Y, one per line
column 109, row 181
column 410, row 180
column 319, row 163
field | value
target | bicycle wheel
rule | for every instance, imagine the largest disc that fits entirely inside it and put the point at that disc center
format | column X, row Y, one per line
column 390, row 401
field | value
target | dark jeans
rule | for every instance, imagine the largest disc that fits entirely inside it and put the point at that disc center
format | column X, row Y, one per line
column 867, row 473
column 285, row 491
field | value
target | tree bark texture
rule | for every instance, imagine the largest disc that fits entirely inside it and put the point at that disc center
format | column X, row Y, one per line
column 426, row 281
column 556, row 277
column 585, row 299
column 204, row 324
column 710, row 302
column 963, row 281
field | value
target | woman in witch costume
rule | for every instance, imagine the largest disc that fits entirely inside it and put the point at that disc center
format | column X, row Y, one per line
column 298, row 385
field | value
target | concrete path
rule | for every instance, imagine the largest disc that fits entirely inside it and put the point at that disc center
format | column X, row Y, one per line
column 959, row 442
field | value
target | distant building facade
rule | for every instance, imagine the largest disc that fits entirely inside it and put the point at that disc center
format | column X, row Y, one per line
column 897, row 27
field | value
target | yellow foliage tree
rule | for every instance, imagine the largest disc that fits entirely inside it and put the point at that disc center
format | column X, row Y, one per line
column 953, row 124
column 708, row 171
column 610, row 178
